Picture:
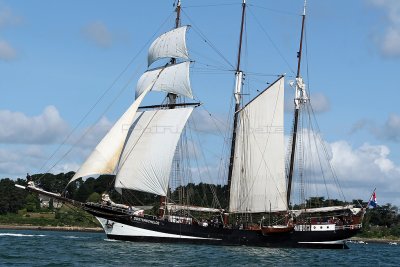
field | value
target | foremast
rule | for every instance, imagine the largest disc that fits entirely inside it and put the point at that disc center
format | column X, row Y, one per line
column 172, row 97
column 237, row 95
column 172, row 102
column 300, row 98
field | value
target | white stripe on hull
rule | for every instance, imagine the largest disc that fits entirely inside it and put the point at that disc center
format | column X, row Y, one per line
column 325, row 242
column 128, row 230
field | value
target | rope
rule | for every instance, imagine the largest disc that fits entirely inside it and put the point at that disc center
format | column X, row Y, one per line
column 272, row 42
column 275, row 10
column 97, row 102
column 197, row 30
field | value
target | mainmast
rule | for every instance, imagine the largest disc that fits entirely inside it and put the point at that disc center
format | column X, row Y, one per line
column 238, row 89
column 300, row 97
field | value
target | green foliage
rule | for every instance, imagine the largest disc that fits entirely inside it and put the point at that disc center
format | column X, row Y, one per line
column 11, row 198
column 383, row 221
column 85, row 188
column 27, row 219
column 94, row 197
column 70, row 216
column 318, row 202
column 51, row 182
column 385, row 215
column 51, row 204
column 32, row 203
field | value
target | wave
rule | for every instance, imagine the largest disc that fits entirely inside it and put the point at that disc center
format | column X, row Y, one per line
column 111, row 240
column 20, row 235
column 75, row 237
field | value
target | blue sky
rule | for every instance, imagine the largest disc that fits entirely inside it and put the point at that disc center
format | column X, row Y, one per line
column 58, row 57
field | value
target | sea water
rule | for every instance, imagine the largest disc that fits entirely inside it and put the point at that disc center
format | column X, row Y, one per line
column 52, row 248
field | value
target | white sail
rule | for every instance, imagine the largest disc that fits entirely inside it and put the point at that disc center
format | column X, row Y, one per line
column 104, row 157
column 171, row 44
column 258, row 178
column 172, row 79
column 146, row 160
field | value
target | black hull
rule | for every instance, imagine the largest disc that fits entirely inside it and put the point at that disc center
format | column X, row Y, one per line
column 150, row 229
column 118, row 224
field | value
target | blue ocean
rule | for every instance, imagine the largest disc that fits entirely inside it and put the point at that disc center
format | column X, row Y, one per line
column 52, row 248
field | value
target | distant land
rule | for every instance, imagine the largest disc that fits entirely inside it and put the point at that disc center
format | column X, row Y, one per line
column 22, row 210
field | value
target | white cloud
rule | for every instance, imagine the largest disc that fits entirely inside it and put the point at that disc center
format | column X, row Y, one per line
column 389, row 40
column 358, row 170
column 7, row 52
column 392, row 7
column 26, row 143
column 389, row 131
column 98, row 33
column 8, row 18
column 18, row 128
column 359, row 125
column 320, row 102
column 363, row 168
column 78, row 147
column 17, row 161
column 204, row 122
column 362, row 164
column 66, row 167
column 90, row 137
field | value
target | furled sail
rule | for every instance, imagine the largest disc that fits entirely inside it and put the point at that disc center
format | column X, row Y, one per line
column 104, row 157
column 171, row 44
column 146, row 160
column 258, row 178
column 172, row 79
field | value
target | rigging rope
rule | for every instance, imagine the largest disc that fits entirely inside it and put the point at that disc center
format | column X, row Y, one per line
column 272, row 42
column 325, row 150
column 98, row 101
column 275, row 10
column 197, row 30
column 206, row 164
column 91, row 127
column 212, row 5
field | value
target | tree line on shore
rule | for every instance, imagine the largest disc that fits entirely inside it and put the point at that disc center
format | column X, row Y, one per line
column 382, row 221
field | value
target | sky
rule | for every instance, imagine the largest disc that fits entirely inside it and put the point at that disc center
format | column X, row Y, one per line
column 72, row 66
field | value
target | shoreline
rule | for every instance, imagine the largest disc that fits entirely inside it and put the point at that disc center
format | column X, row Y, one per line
column 51, row 228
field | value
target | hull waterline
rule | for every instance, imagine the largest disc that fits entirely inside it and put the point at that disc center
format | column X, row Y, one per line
column 120, row 225
column 147, row 229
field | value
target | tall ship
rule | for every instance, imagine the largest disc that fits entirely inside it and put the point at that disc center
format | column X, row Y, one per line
column 144, row 149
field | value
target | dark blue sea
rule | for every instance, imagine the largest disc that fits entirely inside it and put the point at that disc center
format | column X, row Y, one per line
column 52, row 248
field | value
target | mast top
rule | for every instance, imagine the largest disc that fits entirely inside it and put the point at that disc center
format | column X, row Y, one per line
column 304, row 7
column 178, row 14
